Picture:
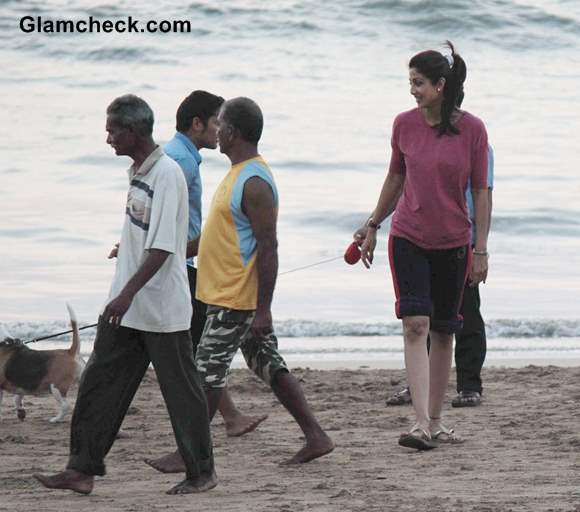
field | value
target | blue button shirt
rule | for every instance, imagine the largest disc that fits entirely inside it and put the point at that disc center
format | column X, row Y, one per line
column 469, row 197
column 184, row 152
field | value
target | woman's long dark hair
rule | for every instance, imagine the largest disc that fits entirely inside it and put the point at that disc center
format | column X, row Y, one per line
column 434, row 65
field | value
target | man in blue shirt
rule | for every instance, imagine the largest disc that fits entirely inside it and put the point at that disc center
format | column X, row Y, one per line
column 470, row 342
column 196, row 125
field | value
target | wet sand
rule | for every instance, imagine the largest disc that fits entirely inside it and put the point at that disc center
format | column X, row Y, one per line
column 522, row 451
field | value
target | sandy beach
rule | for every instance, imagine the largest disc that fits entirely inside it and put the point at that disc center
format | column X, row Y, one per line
column 522, row 451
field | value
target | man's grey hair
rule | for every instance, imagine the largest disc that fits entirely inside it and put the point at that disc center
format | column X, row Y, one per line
column 245, row 115
column 130, row 111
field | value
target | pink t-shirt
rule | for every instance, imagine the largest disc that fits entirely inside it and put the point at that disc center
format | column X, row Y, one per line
column 432, row 212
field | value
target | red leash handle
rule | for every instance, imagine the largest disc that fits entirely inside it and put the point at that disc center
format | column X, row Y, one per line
column 352, row 254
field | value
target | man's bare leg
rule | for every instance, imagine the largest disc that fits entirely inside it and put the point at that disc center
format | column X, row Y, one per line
column 191, row 486
column 288, row 390
column 68, row 479
column 237, row 424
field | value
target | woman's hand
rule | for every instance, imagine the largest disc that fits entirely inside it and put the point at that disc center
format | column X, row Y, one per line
column 360, row 234
column 368, row 237
column 478, row 272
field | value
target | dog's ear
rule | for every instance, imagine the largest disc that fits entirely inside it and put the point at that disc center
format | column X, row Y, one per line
column 4, row 334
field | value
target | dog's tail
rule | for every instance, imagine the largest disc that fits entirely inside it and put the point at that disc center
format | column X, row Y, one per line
column 75, row 348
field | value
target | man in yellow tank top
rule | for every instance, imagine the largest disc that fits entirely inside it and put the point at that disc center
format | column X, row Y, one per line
column 238, row 265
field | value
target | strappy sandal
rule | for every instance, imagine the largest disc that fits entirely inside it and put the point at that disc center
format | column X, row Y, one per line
column 418, row 439
column 447, row 436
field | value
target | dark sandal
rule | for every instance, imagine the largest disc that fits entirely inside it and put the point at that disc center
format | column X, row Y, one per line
column 401, row 397
column 466, row 399
column 418, row 439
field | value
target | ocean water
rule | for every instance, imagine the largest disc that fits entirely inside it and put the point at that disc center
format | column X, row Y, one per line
column 330, row 79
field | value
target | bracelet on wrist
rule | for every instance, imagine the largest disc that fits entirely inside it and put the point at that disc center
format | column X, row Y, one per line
column 480, row 253
column 372, row 224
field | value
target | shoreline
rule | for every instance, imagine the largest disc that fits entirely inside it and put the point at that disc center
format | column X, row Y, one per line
column 386, row 352
column 399, row 364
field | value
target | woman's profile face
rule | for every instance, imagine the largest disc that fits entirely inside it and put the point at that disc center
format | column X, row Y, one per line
column 425, row 93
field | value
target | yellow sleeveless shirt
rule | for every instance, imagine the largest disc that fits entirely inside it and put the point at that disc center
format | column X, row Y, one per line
column 226, row 260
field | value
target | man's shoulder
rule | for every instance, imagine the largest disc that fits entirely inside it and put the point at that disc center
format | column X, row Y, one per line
column 259, row 169
column 256, row 167
column 177, row 151
column 174, row 145
column 167, row 169
column 259, row 173
column 166, row 163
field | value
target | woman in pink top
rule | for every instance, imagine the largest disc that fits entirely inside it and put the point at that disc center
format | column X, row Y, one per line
column 436, row 149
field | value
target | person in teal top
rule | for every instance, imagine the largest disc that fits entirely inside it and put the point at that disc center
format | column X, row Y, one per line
column 470, row 342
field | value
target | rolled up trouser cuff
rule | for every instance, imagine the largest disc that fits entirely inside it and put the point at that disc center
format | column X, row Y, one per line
column 413, row 306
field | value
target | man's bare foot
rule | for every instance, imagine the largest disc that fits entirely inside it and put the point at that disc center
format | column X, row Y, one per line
column 243, row 424
column 171, row 463
column 69, row 479
column 313, row 449
column 200, row 484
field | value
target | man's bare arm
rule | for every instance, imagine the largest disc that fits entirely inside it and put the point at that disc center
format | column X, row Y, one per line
column 192, row 248
column 258, row 204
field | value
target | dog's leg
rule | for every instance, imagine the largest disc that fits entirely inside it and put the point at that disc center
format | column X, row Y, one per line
column 20, row 410
column 64, row 406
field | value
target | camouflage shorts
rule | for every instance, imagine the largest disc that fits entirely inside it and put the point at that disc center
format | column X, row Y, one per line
column 225, row 331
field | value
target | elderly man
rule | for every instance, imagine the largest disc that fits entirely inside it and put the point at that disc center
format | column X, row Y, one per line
column 146, row 319
column 238, row 264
